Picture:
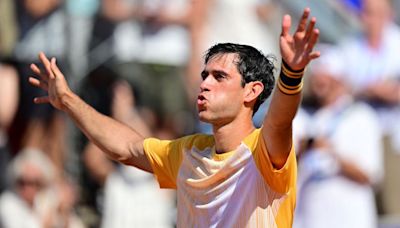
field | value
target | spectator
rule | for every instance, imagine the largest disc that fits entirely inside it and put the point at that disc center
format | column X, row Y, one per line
column 372, row 69
column 32, row 200
column 342, row 161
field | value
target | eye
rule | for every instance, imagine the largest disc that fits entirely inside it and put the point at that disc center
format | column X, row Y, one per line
column 204, row 75
column 219, row 76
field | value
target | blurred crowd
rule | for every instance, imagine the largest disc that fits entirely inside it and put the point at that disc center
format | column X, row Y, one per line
column 139, row 61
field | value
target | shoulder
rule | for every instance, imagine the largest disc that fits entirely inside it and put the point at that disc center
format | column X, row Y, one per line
column 12, row 209
column 252, row 140
column 8, row 197
column 9, row 201
column 392, row 31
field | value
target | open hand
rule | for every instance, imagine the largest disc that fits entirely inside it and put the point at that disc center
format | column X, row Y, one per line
column 51, row 80
column 297, row 49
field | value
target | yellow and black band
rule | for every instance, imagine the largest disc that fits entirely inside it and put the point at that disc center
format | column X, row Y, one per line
column 290, row 81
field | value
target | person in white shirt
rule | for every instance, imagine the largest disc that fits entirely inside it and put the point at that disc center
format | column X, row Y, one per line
column 371, row 65
column 342, row 159
column 34, row 198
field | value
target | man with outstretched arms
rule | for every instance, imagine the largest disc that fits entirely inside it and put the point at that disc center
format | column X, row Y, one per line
column 238, row 177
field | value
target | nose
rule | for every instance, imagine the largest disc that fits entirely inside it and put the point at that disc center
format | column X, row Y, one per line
column 206, row 84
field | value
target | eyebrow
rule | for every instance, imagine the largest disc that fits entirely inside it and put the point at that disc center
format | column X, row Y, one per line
column 220, row 72
column 205, row 72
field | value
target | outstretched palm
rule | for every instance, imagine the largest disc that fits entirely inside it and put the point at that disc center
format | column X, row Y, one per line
column 51, row 80
column 297, row 49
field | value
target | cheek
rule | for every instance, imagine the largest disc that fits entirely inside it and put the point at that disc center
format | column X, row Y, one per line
column 229, row 102
column 28, row 193
column 320, row 86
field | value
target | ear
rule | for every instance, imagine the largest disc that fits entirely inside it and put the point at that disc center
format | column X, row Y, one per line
column 253, row 90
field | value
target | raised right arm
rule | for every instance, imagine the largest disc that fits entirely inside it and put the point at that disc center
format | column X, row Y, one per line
column 120, row 142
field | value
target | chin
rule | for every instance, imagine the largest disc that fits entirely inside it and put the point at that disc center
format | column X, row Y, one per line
column 208, row 117
column 203, row 117
column 213, row 120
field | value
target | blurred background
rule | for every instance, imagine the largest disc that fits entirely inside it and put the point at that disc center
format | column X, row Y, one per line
column 139, row 61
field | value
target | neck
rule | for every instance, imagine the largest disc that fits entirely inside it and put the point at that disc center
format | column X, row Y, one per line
column 330, row 100
column 375, row 37
column 229, row 136
column 374, row 42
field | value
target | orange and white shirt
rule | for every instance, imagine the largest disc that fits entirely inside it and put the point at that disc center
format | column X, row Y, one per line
column 240, row 188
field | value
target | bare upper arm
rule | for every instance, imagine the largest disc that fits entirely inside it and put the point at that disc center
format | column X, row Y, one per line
column 278, row 143
column 138, row 157
column 277, row 128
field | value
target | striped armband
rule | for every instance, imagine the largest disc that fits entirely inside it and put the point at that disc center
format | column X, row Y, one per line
column 290, row 81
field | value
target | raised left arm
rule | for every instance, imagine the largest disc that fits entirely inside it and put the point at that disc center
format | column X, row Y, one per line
column 297, row 52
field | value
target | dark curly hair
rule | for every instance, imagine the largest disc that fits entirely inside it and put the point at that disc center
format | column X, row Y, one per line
column 252, row 65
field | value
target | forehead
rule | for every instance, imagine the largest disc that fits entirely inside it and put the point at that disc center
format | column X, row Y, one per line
column 374, row 6
column 30, row 169
column 223, row 61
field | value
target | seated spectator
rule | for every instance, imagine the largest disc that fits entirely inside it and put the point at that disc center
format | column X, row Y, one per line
column 34, row 199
